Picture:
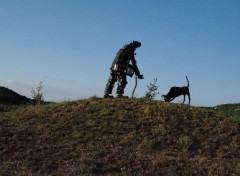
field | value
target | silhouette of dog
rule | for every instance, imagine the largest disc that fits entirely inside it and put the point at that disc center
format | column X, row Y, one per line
column 177, row 91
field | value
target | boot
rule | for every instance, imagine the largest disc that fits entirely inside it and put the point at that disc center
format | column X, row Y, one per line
column 108, row 96
column 121, row 96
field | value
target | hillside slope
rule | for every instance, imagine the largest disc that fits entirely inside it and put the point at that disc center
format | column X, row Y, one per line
column 232, row 110
column 118, row 137
column 9, row 97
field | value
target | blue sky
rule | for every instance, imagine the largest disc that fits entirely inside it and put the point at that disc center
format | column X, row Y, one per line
column 69, row 45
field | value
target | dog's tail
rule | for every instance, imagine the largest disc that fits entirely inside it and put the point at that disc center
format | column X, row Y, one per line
column 187, row 82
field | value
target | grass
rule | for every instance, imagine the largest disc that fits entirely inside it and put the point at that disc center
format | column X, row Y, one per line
column 231, row 110
column 118, row 137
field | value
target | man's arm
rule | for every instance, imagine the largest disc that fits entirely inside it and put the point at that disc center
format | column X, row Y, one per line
column 135, row 67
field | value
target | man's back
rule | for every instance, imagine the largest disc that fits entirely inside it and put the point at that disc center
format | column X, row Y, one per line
column 123, row 57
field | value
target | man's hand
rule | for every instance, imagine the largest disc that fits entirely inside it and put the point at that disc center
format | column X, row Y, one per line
column 140, row 77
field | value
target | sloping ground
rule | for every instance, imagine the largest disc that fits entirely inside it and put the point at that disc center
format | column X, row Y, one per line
column 118, row 137
column 9, row 97
column 232, row 110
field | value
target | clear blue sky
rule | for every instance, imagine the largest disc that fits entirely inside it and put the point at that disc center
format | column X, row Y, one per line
column 69, row 45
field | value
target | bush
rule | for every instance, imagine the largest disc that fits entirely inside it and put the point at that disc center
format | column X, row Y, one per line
column 152, row 90
column 37, row 94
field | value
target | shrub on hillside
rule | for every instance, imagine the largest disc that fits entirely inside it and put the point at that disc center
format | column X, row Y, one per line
column 152, row 91
column 37, row 94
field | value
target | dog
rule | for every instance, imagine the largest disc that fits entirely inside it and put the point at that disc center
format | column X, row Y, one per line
column 177, row 91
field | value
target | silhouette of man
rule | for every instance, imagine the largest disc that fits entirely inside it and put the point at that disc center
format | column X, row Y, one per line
column 121, row 68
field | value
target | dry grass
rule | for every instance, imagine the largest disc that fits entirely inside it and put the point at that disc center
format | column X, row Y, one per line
column 118, row 137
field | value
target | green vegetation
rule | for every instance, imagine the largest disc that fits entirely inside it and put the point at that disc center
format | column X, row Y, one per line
column 117, row 137
column 152, row 91
column 231, row 110
column 37, row 94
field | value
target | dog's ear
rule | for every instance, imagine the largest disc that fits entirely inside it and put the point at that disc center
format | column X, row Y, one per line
column 163, row 96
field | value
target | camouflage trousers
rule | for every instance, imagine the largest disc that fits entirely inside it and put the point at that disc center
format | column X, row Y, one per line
column 120, row 76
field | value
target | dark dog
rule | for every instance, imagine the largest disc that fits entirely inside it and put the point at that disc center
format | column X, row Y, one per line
column 177, row 91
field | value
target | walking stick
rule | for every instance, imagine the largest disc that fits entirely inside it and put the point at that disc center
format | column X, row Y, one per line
column 135, row 85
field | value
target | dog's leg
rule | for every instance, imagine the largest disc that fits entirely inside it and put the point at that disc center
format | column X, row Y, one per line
column 189, row 99
column 172, row 99
column 183, row 98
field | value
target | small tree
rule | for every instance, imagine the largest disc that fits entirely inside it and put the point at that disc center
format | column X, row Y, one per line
column 152, row 90
column 37, row 94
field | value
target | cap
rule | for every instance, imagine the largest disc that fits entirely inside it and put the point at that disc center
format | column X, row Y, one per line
column 135, row 44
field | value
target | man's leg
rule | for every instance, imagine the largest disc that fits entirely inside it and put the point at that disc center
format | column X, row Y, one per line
column 110, row 84
column 122, row 82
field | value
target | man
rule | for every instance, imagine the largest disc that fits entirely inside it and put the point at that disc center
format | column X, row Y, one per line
column 121, row 67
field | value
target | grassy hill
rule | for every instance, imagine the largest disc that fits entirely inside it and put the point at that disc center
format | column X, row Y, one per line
column 231, row 110
column 118, row 137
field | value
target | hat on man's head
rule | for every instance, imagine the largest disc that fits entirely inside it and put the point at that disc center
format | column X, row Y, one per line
column 135, row 44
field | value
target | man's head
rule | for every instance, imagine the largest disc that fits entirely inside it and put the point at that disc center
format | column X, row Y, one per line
column 134, row 44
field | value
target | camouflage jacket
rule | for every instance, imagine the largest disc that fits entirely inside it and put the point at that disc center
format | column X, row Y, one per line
column 122, row 60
